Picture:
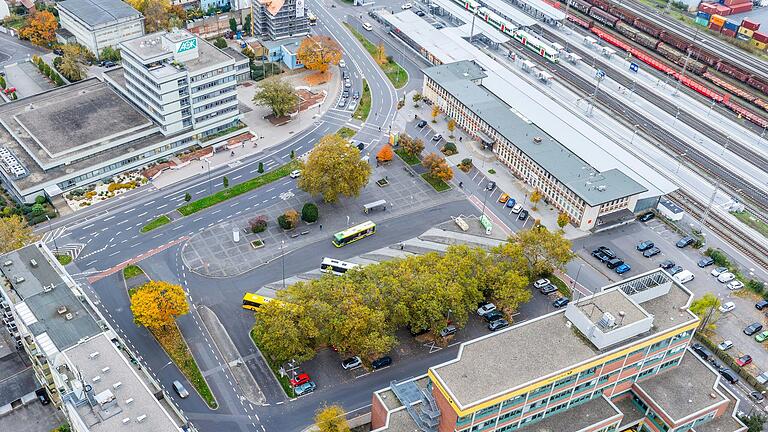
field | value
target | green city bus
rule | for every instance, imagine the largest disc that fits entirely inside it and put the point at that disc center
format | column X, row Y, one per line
column 354, row 233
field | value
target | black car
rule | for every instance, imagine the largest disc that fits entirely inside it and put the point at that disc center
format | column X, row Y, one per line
column 498, row 325
column 757, row 396
column 58, row 51
column 437, row 137
column 490, row 186
column 699, row 349
column 493, row 316
column 607, row 252
column 729, row 376
column 651, row 252
column 421, row 124
column 597, row 253
column 381, row 362
column 685, row 241
column 706, row 261
column 762, row 304
column 523, row 215
column 613, row 263
column 548, row 289
column 667, row 264
column 646, row 217
column 644, row 245
column 752, row 329
column 675, row 270
column 562, row 301
column 420, row 13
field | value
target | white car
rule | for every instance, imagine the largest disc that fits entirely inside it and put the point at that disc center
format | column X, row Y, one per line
column 367, row 26
column 347, row 83
column 517, row 209
column 718, row 271
column 726, row 277
column 727, row 307
column 735, row 285
column 541, row 283
column 351, row 363
column 725, row 345
column 486, row 309
column 406, row 6
column 342, row 63
column 295, row 174
column 352, row 106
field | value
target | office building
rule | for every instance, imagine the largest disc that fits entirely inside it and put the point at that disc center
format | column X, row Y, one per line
column 613, row 361
column 175, row 91
column 76, row 356
column 278, row 19
column 98, row 24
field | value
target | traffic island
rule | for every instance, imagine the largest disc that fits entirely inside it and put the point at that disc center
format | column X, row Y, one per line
column 156, row 223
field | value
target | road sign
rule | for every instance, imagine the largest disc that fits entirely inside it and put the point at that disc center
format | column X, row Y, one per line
column 633, row 67
column 600, row 74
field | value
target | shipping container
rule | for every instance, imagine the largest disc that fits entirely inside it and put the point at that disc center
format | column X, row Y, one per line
column 723, row 10
column 580, row 5
column 757, row 44
column 603, row 17
column 715, row 27
column 702, row 14
column 746, row 32
column 743, row 37
column 701, row 21
column 707, row 8
column 730, row 25
column 746, row 7
column 758, row 36
column 750, row 24
column 717, row 19
column 651, row 29
column 735, row 2
column 728, row 32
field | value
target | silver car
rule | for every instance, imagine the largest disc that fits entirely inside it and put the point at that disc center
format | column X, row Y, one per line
column 180, row 390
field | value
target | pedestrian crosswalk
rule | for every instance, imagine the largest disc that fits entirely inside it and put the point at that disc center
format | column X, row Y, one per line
column 71, row 249
column 51, row 235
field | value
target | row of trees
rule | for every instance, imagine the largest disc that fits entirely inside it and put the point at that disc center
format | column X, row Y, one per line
column 160, row 14
column 359, row 313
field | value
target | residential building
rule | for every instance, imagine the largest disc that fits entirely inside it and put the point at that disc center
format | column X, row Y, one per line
column 174, row 91
column 76, row 356
column 566, row 181
column 612, row 361
column 280, row 51
column 98, row 24
column 279, row 19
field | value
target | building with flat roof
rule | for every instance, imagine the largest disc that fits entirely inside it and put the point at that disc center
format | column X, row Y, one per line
column 279, row 19
column 614, row 360
column 98, row 24
column 76, row 356
column 568, row 182
column 175, row 91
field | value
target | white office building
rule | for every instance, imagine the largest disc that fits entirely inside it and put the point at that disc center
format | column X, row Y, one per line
column 97, row 24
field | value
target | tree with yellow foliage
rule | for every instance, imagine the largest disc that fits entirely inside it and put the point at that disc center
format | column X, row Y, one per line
column 331, row 418
column 40, row 28
column 318, row 52
column 156, row 304
column 14, row 233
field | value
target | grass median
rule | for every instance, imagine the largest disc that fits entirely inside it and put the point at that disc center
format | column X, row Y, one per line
column 396, row 74
column 132, row 271
column 156, row 223
column 173, row 343
column 407, row 157
column 437, row 183
column 346, row 132
column 364, row 108
column 238, row 189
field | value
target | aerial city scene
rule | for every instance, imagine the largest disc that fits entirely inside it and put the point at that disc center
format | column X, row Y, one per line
column 383, row 215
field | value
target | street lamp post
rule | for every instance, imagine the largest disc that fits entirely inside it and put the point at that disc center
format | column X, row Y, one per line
column 679, row 162
column 282, row 255
column 210, row 189
column 634, row 132
column 55, row 247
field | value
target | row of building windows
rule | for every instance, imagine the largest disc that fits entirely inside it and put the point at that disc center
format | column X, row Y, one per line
column 208, row 106
column 214, row 94
column 211, row 74
column 214, row 83
column 209, row 116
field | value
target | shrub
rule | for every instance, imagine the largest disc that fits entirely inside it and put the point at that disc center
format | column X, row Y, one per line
column 292, row 216
column 220, row 43
column 40, row 199
column 450, row 149
column 718, row 256
column 284, row 222
column 187, row 197
column 261, row 167
column 258, row 224
column 756, row 286
column 38, row 209
column 309, row 213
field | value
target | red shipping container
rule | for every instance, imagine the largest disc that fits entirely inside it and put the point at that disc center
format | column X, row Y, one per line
column 715, row 27
column 708, row 8
column 723, row 10
column 746, row 7
column 728, row 32
column 760, row 37
column 750, row 24
column 732, row 3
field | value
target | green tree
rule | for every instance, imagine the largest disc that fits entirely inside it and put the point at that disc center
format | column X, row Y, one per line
column 72, row 66
column 754, row 422
column 14, row 233
column 220, row 42
column 261, row 167
column 293, row 154
column 285, row 332
column 110, row 54
column 506, row 280
column 225, row 182
column 334, row 169
column 247, row 25
column 706, row 308
column 417, row 97
column 309, row 213
column 544, row 251
column 278, row 95
column 233, row 24
column 187, row 197
column 37, row 209
column 563, row 219
column 331, row 418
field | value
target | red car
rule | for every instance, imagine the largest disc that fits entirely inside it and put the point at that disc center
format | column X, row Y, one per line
column 300, row 379
column 744, row 360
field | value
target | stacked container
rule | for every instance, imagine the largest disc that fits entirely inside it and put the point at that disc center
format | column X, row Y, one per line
column 708, row 8
column 722, row 10
column 741, row 7
column 747, row 23
column 728, row 32
column 702, row 18
column 759, row 40
column 716, row 23
column 730, row 28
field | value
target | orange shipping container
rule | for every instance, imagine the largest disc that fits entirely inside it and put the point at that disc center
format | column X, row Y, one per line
column 717, row 19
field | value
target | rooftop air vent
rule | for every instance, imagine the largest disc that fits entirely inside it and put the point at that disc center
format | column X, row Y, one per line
column 537, row 139
column 93, row 355
column 601, row 188
column 105, row 369
column 129, row 401
column 19, row 279
column 48, row 288
column 607, row 320
column 117, row 385
column 96, row 378
column 8, row 263
column 33, row 263
column 68, row 316
column 141, row 418
column 126, row 420
column 62, row 309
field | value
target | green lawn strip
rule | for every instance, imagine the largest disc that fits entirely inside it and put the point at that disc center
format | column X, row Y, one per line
column 132, row 271
column 238, row 126
column 174, row 345
column 561, row 286
column 156, row 223
column 364, row 108
column 64, row 259
column 346, row 132
column 407, row 157
column 238, row 189
column 283, row 380
column 396, row 74
column 438, row 184
column 750, row 220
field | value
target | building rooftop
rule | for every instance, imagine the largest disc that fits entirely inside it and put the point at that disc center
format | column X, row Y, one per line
column 476, row 375
column 26, row 278
column 630, row 410
column 481, row 26
column 98, row 12
column 410, row 25
column 624, row 310
column 118, row 383
column 161, row 45
column 401, row 421
column 724, row 423
column 684, row 390
column 593, row 186
column 576, row 418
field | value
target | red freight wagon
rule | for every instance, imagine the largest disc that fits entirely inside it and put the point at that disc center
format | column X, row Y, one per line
column 602, row 4
column 733, row 71
column 758, row 84
column 580, row 22
column 647, row 27
column 580, row 5
column 623, row 14
column 675, row 40
column 670, row 53
column 750, row 24
column 603, row 16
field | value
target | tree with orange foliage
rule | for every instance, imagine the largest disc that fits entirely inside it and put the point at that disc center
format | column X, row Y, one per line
column 318, row 52
column 437, row 166
column 385, row 154
column 40, row 28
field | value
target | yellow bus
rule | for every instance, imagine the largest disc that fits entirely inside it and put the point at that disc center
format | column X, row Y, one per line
column 252, row 301
column 354, row 233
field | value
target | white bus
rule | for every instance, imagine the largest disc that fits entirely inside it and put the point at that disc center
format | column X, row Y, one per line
column 330, row 265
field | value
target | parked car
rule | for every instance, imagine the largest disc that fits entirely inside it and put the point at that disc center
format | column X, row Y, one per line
column 498, row 324
column 726, row 277
column 717, row 271
column 58, row 51
column 597, row 253
column 744, row 360
column 517, row 208
column 381, row 362
column 437, row 137
column 342, row 102
column 342, row 63
column 623, row 269
column 305, row 388
column 675, row 270
column 351, row 363
column 420, row 13
column 667, row 264
column 352, row 106
column 486, row 308
column 752, row 329
column 510, row 203
column 725, row 345
column 762, row 336
column 762, row 304
column 491, row 185
column 493, row 316
column 607, row 251
column 180, row 390
column 735, row 285
column 651, row 252
column 345, row 93
column 646, row 217
column 523, row 215
column 705, row 262
column 503, row 198
column 548, row 289
column 367, row 26
column 300, row 379
column 356, row 95
column 727, row 307
column 685, row 241
column 448, row 330
column 541, row 283
column 421, row 123
column 406, row 6
column 562, row 301
column 613, row 263
column 108, row 64
column 699, row 349
column 295, row 174
column 729, row 376
column 684, row 276
column 762, row 378
column 757, row 396
column 644, row 245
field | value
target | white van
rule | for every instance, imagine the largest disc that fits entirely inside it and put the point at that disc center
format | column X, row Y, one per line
column 367, row 26
column 683, row 277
